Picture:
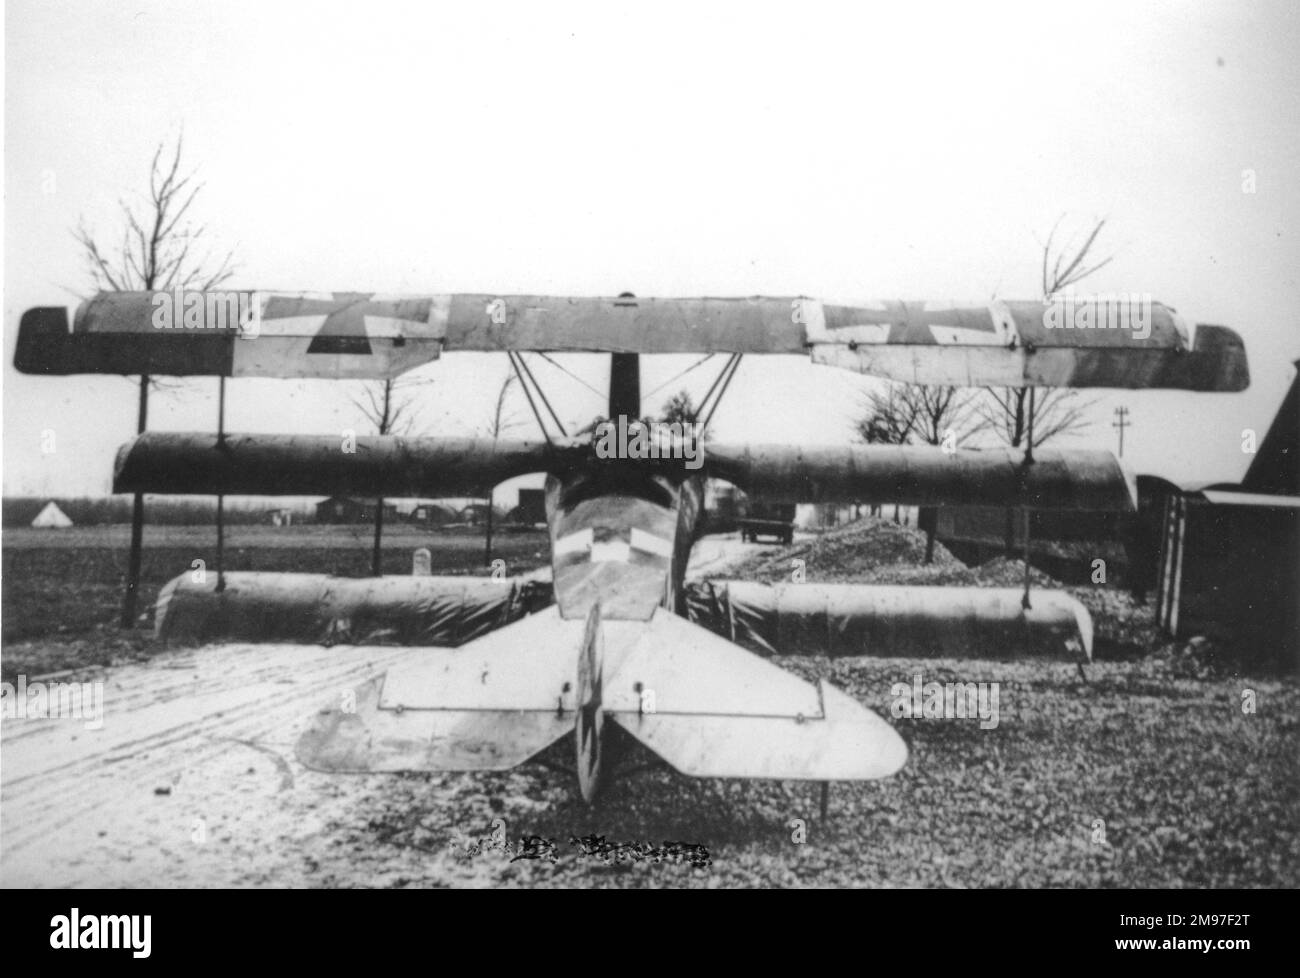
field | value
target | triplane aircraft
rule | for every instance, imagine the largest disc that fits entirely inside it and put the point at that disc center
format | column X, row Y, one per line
column 615, row 657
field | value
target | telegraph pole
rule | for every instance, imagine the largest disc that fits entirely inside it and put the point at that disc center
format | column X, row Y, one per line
column 1121, row 413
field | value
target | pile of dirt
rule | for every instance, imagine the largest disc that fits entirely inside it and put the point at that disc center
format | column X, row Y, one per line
column 877, row 551
column 866, row 551
column 872, row 550
column 1010, row 572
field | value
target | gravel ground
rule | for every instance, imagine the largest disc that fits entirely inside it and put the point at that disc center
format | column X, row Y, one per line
column 1158, row 769
column 1135, row 778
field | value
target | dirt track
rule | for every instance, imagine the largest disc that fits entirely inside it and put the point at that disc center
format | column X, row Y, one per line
column 191, row 780
column 195, row 744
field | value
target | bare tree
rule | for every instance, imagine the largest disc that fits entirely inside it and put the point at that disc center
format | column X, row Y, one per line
column 939, row 412
column 1008, row 412
column 1070, row 267
column 387, row 404
column 1011, row 413
column 158, row 241
column 1029, row 416
column 160, row 249
column 888, row 418
column 902, row 414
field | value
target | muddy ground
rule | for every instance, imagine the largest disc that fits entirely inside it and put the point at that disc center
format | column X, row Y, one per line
column 1164, row 769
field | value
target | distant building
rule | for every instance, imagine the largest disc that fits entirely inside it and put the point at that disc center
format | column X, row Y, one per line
column 51, row 518
column 433, row 514
column 531, row 509
column 1228, row 571
column 346, row 509
column 1057, row 538
column 338, row 509
column 475, row 514
column 990, row 524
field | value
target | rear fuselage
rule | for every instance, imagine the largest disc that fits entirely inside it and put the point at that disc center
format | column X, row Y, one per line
column 621, row 533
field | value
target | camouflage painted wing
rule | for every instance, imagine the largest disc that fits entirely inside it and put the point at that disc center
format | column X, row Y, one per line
column 1134, row 344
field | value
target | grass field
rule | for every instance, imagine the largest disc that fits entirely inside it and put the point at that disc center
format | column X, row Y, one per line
column 63, row 589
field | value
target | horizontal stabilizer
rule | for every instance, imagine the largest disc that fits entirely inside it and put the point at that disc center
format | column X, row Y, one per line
column 712, row 710
column 704, row 705
column 487, row 706
column 359, row 736
column 844, row 742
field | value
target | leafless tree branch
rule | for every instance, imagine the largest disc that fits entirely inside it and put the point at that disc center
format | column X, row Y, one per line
column 1056, row 412
column 903, row 414
column 157, row 248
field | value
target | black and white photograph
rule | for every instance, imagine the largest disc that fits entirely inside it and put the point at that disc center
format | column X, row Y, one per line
column 702, row 446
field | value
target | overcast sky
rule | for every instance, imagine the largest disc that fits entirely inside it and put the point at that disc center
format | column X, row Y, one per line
column 912, row 152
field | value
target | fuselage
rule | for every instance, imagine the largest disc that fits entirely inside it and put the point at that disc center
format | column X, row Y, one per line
column 621, row 533
column 621, row 528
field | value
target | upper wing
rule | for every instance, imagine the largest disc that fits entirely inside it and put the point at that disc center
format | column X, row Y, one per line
column 360, row 335
column 1126, row 342
column 234, row 334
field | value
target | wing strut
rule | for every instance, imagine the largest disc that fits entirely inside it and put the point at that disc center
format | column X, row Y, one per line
column 679, row 376
column 221, row 499
column 1029, row 460
column 724, row 377
column 519, row 372
column 542, row 394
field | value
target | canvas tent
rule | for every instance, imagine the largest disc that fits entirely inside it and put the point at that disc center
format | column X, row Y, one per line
column 51, row 517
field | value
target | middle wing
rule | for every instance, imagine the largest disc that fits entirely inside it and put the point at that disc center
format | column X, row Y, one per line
column 925, row 475
column 199, row 464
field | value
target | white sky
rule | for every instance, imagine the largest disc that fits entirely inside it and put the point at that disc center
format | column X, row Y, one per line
column 915, row 151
